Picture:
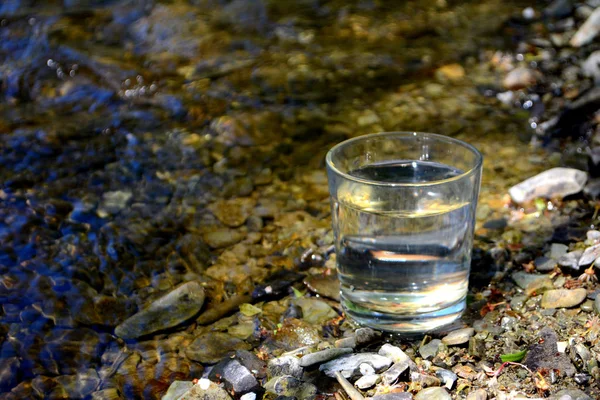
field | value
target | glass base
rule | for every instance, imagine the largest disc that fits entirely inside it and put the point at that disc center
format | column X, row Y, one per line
column 408, row 324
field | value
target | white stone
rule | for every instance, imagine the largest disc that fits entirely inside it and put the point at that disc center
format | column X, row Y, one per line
column 588, row 31
column 553, row 183
column 591, row 66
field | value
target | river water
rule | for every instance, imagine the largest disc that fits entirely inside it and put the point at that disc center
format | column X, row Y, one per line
column 148, row 144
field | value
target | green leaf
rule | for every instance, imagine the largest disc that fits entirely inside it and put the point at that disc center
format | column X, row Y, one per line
column 249, row 310
column 298, row 293
column 514, row 357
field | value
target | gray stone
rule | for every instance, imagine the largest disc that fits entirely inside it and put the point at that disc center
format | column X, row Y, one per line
column 172, row 309
column 591, row 66
column 459, row 336
column 366, row 336
column 393, row 396
column 206, row 390
column 545, row 264
column 558, row 250
column 323, row 356
column 478, row 394
column 559, row 9
column 393, row 352
column 544, row 354
column 113, row 394
column 234, row 376
column 562, row 298
column 367, row 381
column 349, row 365
column 285, row 365
column 391, row 375
column 211, row 347
column 291, row 387
column 366, row 369
column 524, row 279
column 570, row 394
column 553, row 183
column 433, row 393
column 448, row 378
column 589, row 255
column 571, row 259
column 430, row 349
column 223, row 238
column 588, row 31
column 424, row 380
column 597, row 305
column 113, row 202
column 177, row 389
column 79, row 385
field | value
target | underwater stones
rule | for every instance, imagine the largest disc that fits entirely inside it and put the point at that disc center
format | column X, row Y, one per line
column 349, row 365
column 555, row 182
column 113, row 202
column 211, row 347
column 223, row 238
column 295, row 333
column 520, row 78
column 234, row 212
column 315, row 311
column 9, row 368
column 170, row 310
column 77, row 386
column 323, row 356
column 235, row 376
column 285, row 365
column 562, row 298
column 177, row 389
column 205, row 390
column 291, row 387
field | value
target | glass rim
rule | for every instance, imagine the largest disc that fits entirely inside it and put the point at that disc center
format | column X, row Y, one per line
column 408, row 134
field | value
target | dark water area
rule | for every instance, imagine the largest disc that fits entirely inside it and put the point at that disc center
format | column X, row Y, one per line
column 146, row 145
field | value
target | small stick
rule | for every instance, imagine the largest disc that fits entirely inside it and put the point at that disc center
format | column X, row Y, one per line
column 347, row 386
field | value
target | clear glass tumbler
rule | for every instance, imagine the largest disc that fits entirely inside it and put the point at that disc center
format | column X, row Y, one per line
column 403, row 211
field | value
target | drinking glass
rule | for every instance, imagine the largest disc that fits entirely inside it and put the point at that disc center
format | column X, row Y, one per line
column 403, row 211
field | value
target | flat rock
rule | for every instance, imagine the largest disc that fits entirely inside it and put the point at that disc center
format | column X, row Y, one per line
column 393, row 352
column 433, row 393
column 172, row 309
column 211, row 347
column 545, row 264
column 234, row 212
column 205, row 390
column 544, row 354
column 597, row 305
column 570, row 394
column 459, row 336
column 520, row 78
column 223, row 238
column 366, row 336
column 391, row 375
column 430, row 349
column 589, row 255
column 79, row 385
column 557, row 250
column 285, row 365
column 591, row 66
column 570, row 259
column 367, row 381
column 323, row 356
column 315, row 311
column 290, row 386
column 553, row 183
column 479, row 394
column 561, row 298
column 324, row 285
column 235, row 376
column 349, row 365
column 588, row 31
column 177, row 389
column 393, row 396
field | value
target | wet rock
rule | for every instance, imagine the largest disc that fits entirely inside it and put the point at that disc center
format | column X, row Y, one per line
column 589, row 255
column 113, row 202
column 177, row 389
column 223, row 238
column 570, row 259
column 394, row 396
column 582, row 379
column 430, row 349
column 327, row 285
column 365, row 336
column 557, row 250
column 393, row 373
column 112, row 394
column 206, row 390
column 254, row 364
column 570, row 394
column 559, row 9
column 315, row 311
column 213, row 346
column 285, row 365
column 292, row 387
column 235, row 376
column 459, row 336
column 234, row 212
column 393, row 352
column 448, row 378
column 588, row 31
column 367, row 381
column 424, row 380
column 545, row 354
column 170, row 310
column 544, row 264
column 9, row 368
column 323, row 356
column 561, row 298
column 478, row 394
column 433, row 393
column 77, row 386
column 532, row 282
column 349, row 365
column 295, row 333
column 520, row 78
column 553, row 183
column 591, row 67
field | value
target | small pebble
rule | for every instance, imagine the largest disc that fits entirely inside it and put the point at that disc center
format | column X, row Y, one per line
column 562, row 298
column 478, row 394
column 544, row 264
column 433, row 393
column 447, row 377
column 393, row 396
column 323, row 356
column 430, row 349
column 366, row 335
column 367, row 381
column 597, row 305
column 587, row 305
column 393, row 352
column 459, row 336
